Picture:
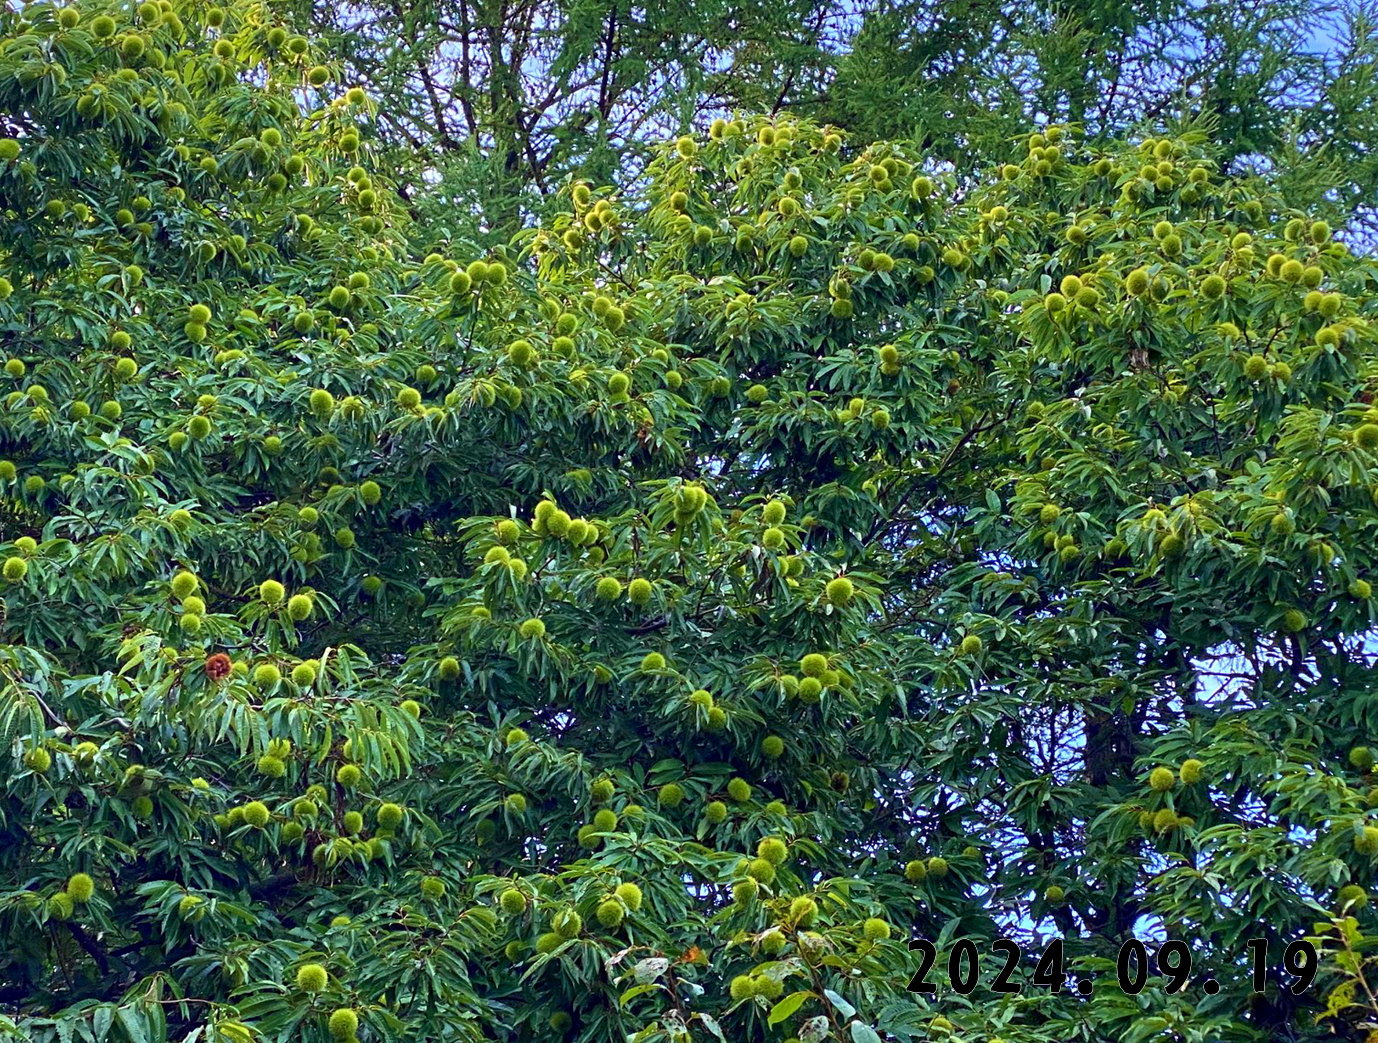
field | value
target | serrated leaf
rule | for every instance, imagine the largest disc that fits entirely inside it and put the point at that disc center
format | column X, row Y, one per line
column 133, row 1024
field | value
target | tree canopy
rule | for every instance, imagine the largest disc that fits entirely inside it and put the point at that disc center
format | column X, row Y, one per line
column 643, row 628
column 486, row 109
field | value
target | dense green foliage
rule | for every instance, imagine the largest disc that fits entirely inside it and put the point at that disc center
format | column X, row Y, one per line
column 504, row 102
column 640, row 629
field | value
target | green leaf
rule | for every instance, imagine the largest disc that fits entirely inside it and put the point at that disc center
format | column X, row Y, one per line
column 787, row 1006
